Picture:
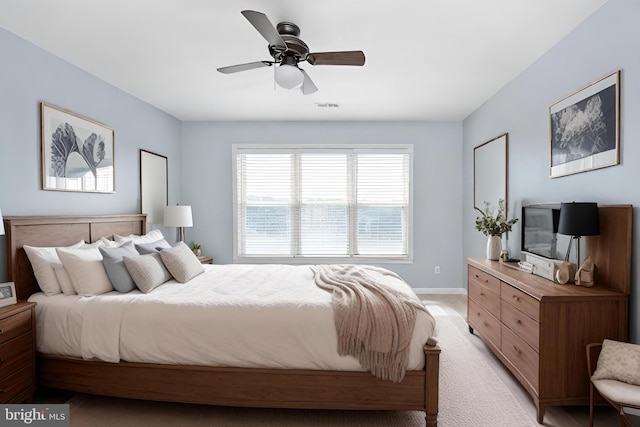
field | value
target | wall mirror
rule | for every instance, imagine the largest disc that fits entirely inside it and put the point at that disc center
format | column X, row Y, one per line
column 490, row 171
column 154, row 187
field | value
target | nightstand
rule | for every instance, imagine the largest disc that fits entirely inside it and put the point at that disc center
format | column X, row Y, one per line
column 205, row 259
column 17, row 352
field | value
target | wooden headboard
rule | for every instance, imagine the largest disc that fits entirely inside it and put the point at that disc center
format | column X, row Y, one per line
column 58, row 231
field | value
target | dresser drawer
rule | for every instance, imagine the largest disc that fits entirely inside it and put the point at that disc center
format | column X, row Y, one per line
column 524, row 326
column 487, row 299
column 488, row 327
column 486, row 280
column 14, row 384
column 12, row 326
column 524, row 358
column 16, row 354
column 523, row 302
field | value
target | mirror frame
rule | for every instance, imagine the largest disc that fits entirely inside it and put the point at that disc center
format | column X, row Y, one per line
column 491, row 165
column 154, row 186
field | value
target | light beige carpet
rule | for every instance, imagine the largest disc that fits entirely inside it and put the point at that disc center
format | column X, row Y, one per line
column 471, row 394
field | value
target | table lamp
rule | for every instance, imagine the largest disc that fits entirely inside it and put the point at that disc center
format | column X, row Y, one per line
column 578, row 219
column 178, row 216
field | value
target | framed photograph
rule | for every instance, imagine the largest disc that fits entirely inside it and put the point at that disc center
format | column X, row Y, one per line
column 154, row 187
column 585, row 128
column 7, row 294
column 77, row 153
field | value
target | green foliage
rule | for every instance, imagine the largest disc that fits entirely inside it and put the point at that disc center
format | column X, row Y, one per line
column 494, row 225
column 195, row 246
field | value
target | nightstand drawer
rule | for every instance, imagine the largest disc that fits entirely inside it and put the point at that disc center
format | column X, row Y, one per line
column 14, row 384
column 12, row 326
column 486, row 298
column 488, row 327
column 523, row 302
column 486, row 280
column 524, row 326
column 16, row 354
column 521, row 355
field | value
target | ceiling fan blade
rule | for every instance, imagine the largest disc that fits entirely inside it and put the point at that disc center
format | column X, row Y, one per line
column 261, row 23
column 244, row 67
column 351, row 57
column 308, row 87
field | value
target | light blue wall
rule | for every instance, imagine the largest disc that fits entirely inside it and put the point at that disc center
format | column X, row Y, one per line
column 28, row 76
column 605, row 42
column 207, row 184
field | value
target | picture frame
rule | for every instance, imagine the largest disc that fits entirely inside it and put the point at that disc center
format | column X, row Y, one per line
column 154, row 186
column 77, row 152
column 7, row 294
column 585, row 128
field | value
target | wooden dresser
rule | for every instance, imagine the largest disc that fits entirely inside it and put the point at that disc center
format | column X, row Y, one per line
column 17, row 352
column 539, row 329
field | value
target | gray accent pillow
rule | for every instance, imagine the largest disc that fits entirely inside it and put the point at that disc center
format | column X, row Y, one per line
column 181, row 262
column 147, row 271
column 153, row 247
column 112, row 258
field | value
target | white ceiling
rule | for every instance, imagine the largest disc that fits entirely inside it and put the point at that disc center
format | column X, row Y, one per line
column 425, row 59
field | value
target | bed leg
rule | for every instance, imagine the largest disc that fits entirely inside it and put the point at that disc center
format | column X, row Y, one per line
column 432, row 420
column 432, row 380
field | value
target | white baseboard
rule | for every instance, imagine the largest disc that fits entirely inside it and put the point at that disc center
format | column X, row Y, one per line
column 443, row 291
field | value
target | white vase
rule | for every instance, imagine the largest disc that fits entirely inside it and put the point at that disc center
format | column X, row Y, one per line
column 494, row 246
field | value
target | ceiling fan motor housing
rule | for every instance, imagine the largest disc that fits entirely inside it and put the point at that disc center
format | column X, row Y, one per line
column 296, row 48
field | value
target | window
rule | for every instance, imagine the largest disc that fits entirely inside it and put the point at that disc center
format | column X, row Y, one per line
column 302, row 201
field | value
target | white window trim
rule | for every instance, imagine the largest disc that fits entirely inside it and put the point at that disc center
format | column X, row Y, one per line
column 288, row 148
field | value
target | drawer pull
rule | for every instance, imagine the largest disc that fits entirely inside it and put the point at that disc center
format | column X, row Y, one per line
column 478, row 313
column 515, row 297
column 517, row 349
column 1, row 332
column 485, row 323
column 1, row 361
column 519, row 322
column 481, row 294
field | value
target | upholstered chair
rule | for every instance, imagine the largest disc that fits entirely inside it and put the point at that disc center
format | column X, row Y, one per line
column 614, row 368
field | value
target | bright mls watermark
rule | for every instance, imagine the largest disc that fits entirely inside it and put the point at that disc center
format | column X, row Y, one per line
column 34, row 415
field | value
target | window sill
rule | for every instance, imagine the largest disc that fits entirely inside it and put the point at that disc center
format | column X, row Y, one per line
column 322, row 260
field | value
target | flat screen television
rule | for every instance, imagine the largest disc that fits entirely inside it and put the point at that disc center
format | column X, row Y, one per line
column 539, row 226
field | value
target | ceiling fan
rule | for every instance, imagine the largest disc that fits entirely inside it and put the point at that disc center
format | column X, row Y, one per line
column 288, row 50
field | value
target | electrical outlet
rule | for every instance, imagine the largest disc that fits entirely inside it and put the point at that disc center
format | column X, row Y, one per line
column 437, row 269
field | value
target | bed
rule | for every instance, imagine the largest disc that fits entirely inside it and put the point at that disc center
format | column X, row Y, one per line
column 227, row 386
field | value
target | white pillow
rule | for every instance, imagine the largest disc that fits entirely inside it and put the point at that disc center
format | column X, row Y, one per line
column 63, row 279
column 151, row 236
column 41, row 259
column 96, row 244
column 109, row 243
column 85, row 270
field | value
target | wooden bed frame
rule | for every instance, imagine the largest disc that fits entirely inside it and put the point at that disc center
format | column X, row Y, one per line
column 267, row 388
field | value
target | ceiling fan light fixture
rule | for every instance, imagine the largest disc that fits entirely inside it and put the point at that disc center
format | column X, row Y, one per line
column 288, row 76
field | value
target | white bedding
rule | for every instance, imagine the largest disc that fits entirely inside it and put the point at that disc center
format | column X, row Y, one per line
column 259, row 316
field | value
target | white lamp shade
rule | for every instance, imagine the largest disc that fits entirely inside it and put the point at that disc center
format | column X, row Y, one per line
column 289, row 76
column 1, row 224
column 178, row 216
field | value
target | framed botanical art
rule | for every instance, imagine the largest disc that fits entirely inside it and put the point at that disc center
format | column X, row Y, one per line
column 585, row 128
column 77, row 153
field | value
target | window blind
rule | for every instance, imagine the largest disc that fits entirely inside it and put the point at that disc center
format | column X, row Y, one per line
column 322, row 202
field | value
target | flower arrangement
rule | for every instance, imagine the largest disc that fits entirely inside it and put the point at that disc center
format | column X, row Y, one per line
column 491, row 225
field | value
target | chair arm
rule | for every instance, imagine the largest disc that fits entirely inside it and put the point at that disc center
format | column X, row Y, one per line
column 593, row 352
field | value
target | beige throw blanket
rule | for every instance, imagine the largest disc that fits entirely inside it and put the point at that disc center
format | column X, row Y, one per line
column 374, row 322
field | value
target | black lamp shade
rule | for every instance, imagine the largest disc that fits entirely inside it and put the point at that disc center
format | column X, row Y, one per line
column 579, row 219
